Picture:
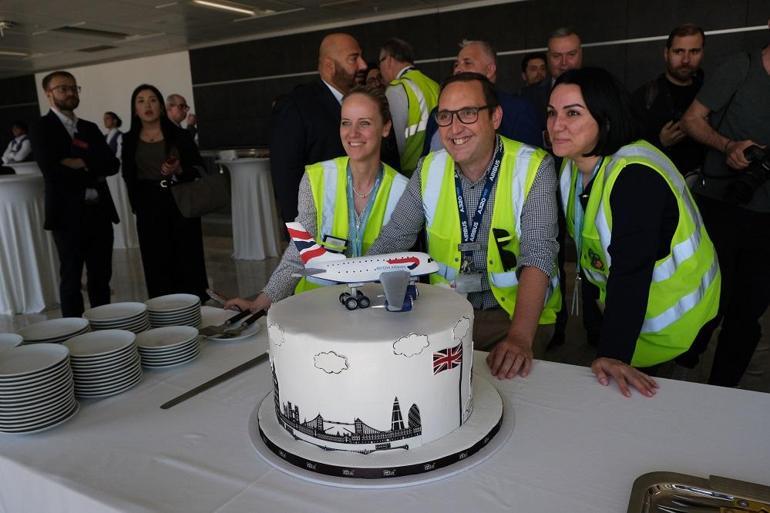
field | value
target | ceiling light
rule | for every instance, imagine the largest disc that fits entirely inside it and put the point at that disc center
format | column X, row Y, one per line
column 10, row 53
column 225, row 7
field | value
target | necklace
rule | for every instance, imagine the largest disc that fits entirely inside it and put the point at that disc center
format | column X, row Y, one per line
column 360, row 194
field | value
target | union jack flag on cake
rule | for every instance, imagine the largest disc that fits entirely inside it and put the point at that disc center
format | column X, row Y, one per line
column 448, row 358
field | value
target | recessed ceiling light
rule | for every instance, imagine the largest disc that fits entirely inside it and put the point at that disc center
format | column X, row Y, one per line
column 225, row 7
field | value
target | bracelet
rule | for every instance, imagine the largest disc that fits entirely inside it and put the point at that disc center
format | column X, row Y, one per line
column 728, row 143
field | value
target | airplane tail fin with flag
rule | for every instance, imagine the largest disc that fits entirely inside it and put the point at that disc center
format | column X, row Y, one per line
column 309, row 250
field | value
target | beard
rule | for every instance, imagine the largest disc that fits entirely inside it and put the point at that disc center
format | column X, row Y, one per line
column 682, row 73
column 344, row 80
column 69, row 103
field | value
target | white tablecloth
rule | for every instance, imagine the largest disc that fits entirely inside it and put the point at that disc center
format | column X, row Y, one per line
column 28, row 262
column 125, row 231
column 255, row 227
column 575, row 446
column 25, row 168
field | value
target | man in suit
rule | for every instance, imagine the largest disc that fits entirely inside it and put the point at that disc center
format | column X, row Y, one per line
column 75, row 159
column 519, row 119
column 178, row 110
column 565, row 52
column 305, row 124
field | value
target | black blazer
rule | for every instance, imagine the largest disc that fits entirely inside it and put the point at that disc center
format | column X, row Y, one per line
column 304, row 129
column 65, row 188
column 189, row 158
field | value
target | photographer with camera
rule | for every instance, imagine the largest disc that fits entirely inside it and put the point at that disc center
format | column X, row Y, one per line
column 730, row 115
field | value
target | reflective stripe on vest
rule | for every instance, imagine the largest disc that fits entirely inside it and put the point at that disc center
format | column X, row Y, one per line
column 330, row 199
column 422, row 96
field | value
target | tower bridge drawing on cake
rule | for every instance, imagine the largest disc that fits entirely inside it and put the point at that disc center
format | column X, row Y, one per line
column 354, row 436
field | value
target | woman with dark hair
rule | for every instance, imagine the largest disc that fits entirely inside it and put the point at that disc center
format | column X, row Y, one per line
column 343, row 202
column 156, row 155
column 114, row 136
column 640, row 239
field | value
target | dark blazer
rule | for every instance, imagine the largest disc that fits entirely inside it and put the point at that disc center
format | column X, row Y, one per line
column 304, row 129
column 65, row 188
column 538, row 94
column 189, row 158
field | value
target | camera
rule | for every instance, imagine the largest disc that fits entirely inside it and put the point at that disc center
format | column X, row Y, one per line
column 744, row 187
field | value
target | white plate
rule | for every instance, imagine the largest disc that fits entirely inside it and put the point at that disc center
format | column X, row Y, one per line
column 44, row 427
column 167, row 351
column 193, row 310
column 104, row 364
column 106, row 379
column 35, row 412
column 108, row 387
column 116, row 391
column 166, row 357
column 25, row 361
column 10, row 340
column 115, row 312
column 168, row 337
column 34, row 396
column 42, row 420
column 35, row 381
column 248, row 332
column 53, row 329
column 100, row 343
column 172, row 302
column 190, row 358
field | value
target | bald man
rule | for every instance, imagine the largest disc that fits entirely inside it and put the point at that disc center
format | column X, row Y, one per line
column 304, row 127
column 519, row 117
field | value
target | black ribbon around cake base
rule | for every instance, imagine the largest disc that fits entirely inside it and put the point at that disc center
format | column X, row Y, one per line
column 375, row 472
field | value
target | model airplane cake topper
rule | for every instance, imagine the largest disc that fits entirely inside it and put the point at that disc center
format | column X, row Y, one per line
column 398, row 272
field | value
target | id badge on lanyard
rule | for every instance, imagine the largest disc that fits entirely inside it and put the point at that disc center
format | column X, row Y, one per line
column 469, row 279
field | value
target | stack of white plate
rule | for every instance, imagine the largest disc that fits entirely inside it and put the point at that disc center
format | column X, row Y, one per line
column 119, row 316
column 164, row 347
column 104, row 363
column 175, row 310
column 54, row 331
column 36, row 388
column 9, row 341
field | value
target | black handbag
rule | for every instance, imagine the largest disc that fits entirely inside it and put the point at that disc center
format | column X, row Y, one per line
column 208, row 193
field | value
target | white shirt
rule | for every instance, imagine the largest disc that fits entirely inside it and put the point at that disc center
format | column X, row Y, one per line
column 338, row 95
column 18, row 150
column 114, row 132
column 70, row 124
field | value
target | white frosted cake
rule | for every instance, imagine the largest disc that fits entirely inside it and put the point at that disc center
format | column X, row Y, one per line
column 369, row 380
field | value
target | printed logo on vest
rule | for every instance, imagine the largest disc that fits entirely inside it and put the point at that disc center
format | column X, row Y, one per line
column 596, row 262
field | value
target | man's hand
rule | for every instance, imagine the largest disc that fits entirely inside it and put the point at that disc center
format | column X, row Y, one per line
column 624, row 374
column 734, row 152
column 511, row 356
column 192, row 119
column 671, row 134
column 73, row 162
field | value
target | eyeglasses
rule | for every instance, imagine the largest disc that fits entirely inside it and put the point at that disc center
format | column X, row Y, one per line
column 182, row 106
column 507, row 257
column 466, row 115
column 63, row 89
column 382, row 59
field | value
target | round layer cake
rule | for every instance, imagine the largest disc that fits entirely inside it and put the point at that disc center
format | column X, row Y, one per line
column 370, row 380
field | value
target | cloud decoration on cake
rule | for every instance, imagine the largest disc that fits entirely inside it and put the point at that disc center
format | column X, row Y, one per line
column 276, row 334
column 461, row 329
column 330, row 362
column 410, row 345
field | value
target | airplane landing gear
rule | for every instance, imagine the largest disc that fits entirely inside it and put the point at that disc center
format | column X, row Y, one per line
column 352, row 302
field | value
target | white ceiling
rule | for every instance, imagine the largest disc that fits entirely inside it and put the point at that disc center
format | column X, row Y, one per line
column 43, row 32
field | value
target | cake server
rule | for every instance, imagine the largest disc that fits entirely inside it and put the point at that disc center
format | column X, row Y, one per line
column 215, row 381
column 235, row 331
column 209, row 331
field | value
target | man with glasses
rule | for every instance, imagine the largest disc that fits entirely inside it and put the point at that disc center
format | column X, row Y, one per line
column 411, row 96
column 75, row 159
column 177, row 110
column 499, row 249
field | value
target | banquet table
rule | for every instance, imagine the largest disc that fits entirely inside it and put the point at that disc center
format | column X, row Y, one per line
column 575, row 446
column 255, row 230
column 28, row 261
column 25, row 168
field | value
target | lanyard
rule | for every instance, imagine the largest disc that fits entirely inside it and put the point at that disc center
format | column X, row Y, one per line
column 579, row 215
column 470, row 233
column 356, row 223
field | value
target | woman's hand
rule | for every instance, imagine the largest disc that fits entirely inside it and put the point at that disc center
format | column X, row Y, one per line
column 509, row 357
column 624, row 374
column 262, row 302
column 171, row 166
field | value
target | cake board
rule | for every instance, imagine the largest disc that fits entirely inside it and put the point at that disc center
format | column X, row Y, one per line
column 489, row 428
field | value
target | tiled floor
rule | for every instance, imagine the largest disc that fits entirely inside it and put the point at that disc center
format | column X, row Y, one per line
column 246, row 278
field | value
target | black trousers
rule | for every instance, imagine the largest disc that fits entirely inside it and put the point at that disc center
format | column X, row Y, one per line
column 171, row 244
column 90, row 243
column 742, row 241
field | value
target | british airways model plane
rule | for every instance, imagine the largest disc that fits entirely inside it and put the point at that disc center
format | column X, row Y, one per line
column 398, row 272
